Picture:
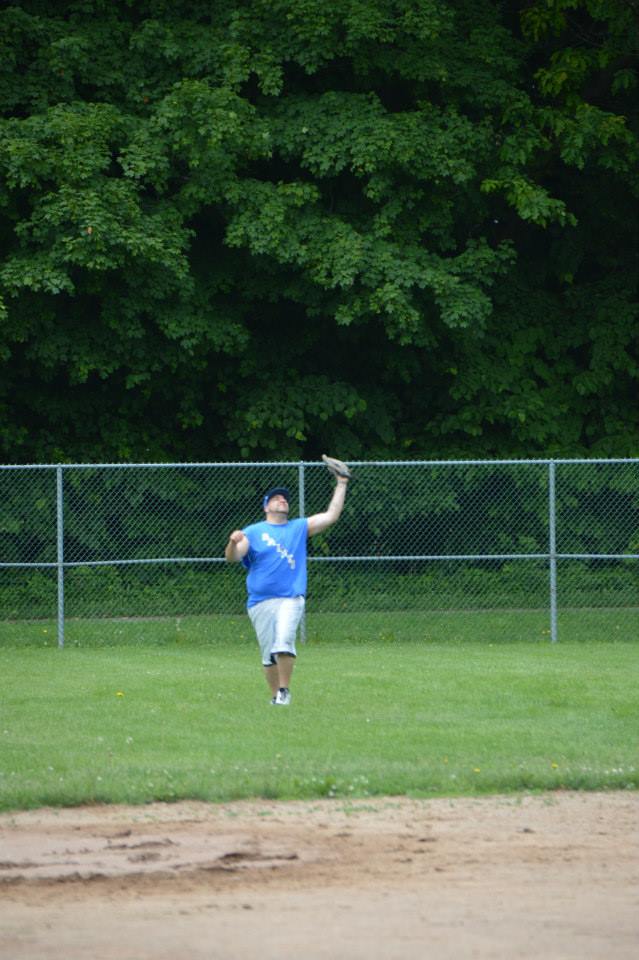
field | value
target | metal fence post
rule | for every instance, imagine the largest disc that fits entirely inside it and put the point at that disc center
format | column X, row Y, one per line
column 60, row 554
column 302, row 511
column 552, row 550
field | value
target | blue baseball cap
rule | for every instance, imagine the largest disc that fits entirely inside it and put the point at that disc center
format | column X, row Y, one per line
column 283, row 491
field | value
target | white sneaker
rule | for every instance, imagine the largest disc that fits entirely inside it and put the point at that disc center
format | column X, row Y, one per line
column 283, row 697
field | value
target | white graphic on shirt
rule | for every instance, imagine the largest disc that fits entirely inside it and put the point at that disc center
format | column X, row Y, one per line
column 283, row 552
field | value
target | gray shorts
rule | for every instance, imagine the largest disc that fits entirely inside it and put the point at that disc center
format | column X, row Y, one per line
column 276, row 622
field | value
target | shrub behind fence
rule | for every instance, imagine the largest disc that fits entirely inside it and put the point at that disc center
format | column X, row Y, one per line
column 427, row 538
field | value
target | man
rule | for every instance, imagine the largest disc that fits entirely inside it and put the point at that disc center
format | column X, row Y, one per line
column 274, row 553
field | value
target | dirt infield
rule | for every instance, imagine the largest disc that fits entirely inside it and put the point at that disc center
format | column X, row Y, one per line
column 553, row 876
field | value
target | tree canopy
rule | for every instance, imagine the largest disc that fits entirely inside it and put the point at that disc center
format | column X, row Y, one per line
column 269, row 228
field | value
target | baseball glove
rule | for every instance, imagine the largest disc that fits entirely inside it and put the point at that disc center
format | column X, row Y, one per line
column 337, row 467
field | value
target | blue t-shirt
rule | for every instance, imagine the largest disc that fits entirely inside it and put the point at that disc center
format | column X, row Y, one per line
column 276, row 560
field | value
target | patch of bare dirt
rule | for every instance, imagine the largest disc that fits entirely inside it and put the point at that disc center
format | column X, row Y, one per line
column 553, row 876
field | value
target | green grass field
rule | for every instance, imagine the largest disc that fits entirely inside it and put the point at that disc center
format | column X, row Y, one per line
column 135, row 711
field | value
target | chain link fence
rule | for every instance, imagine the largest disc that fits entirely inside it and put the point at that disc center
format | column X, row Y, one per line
column 428, row 549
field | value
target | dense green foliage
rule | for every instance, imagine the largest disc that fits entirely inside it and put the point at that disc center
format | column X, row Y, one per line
column 265, row 229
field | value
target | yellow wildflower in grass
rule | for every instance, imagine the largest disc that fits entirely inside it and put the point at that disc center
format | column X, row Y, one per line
column 476, row 769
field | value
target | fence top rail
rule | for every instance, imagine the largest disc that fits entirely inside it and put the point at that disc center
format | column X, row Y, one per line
column 315, row 463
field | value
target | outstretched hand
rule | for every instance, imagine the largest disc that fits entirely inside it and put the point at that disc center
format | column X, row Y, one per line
column 338, row 468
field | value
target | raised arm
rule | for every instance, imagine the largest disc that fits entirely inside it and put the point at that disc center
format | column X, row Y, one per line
column 321, row 521
column 237, row 547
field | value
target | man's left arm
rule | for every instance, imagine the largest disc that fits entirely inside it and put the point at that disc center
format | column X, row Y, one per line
column 322, row 521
